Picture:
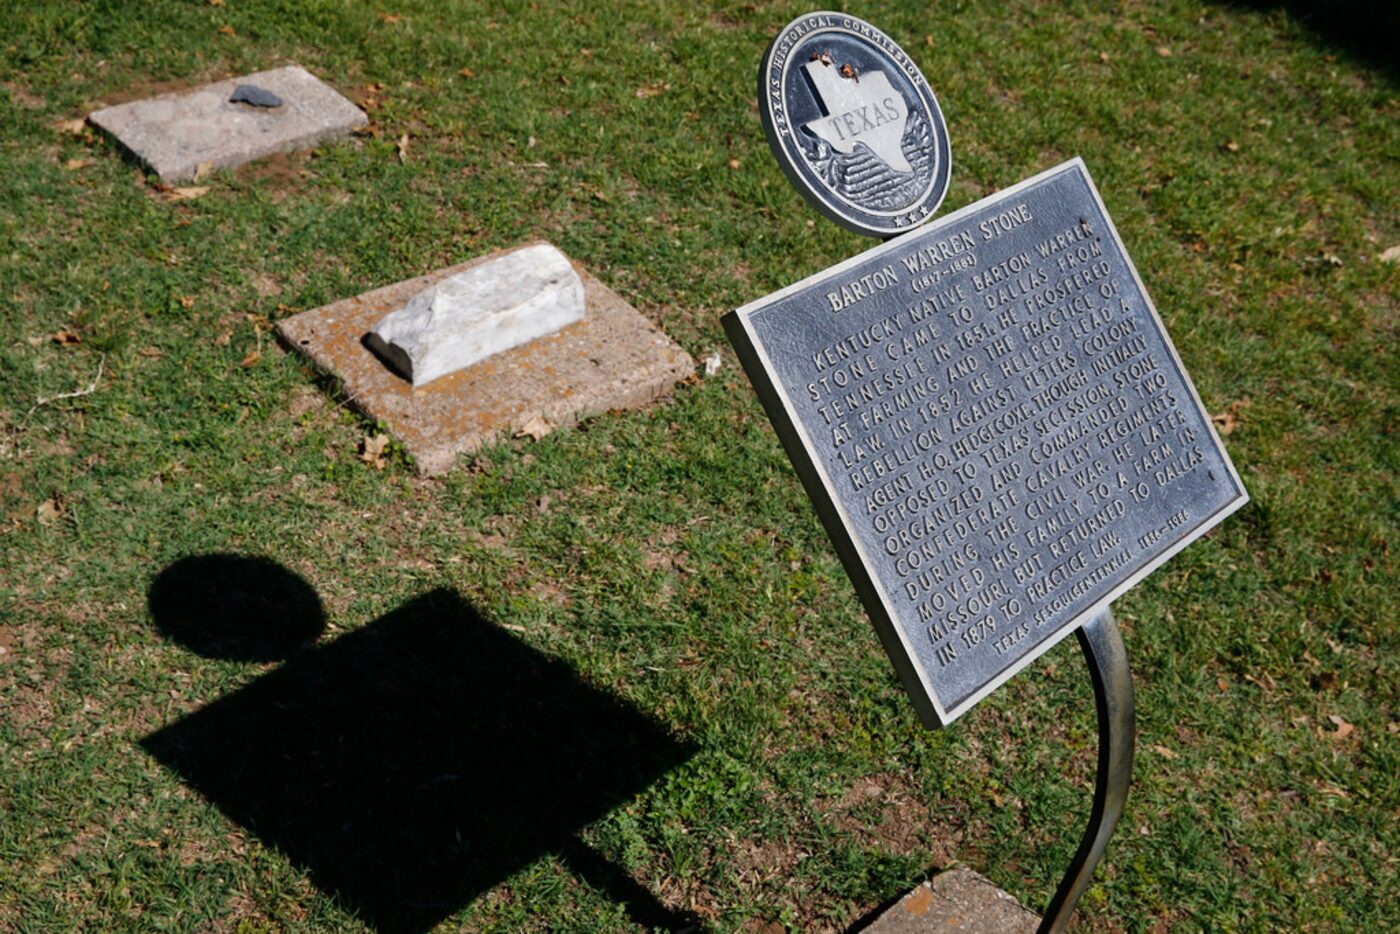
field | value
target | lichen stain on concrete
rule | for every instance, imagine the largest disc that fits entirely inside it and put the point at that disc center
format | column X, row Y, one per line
column 919, row 901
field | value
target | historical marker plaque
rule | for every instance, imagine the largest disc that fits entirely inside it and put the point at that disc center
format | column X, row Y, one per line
column 995, row 428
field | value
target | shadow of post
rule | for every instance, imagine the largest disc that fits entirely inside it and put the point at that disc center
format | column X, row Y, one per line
column 413, row 764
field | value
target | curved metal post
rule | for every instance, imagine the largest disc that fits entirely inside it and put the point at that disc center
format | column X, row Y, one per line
column 1102, row 645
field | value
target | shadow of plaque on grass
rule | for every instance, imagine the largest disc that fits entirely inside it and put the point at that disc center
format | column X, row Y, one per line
column 412, row 765
column 613, row 359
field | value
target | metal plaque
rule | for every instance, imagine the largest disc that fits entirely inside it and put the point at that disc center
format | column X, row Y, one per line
column 994, row 427
column 854, row 124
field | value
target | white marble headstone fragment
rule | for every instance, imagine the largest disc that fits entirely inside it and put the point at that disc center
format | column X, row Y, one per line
column 509, row 301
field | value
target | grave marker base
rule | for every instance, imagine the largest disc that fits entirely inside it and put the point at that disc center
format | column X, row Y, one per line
column 958, row 900
column 178, row 135
column 613, row 359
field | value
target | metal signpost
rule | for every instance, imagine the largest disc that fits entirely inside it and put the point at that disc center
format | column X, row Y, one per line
column 986, row 411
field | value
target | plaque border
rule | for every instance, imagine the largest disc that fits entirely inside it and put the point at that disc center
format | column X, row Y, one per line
column 839, row 528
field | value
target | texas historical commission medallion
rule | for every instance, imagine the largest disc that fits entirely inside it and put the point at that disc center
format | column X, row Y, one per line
column 854, row 124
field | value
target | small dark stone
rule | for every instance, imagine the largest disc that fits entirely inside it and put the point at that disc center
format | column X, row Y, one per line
column 254, row 95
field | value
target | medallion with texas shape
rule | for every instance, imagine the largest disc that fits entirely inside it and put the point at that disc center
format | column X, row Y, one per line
column 854, row 124
column 860, row 108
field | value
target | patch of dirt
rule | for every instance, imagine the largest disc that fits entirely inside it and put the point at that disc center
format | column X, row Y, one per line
column 81, row 841
column 286, row 172
column 723, row 22
column 15, row 507
column 769, row 868
column 241, row 908
column 547, row 591
column 688, row 895
column 756, row 863
column 887, row 812
column 30, row 708
column 267, row 285
column 57, row 445
column 489, row 540
column 305, row 400
column 662, row 556
column 192, row 850
column 21, row 96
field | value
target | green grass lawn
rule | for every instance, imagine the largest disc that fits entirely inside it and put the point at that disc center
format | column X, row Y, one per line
column 654, row 588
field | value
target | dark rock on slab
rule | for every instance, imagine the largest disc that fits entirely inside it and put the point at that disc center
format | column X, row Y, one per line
column 252, row 94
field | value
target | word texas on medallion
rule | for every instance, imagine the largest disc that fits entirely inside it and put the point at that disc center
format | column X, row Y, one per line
column 854, row 124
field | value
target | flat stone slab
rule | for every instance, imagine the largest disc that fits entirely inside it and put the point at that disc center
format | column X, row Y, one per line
column 957, row 900
column 613, row 359
column 175, row 134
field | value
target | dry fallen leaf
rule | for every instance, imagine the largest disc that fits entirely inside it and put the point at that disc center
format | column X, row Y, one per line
column 535, row 428
column 651, row 90
column 1334, row 791
column 372, row 449
column 1344, row 729
column 49, row 511
column 1228, row 420
column 403, row 149
column 186, row 194
column 1163, row 51
column 1391, row 255
column 186, row 301
column 1103, row 57
column 733, row 163
column 227, row 30
column 389, row 17
column 466, row 73
column 78, row 163
column 1163, row 751
column 251, row 360
column 65, row 337
column 1232, row 146
column 1264, row 680
column 75, row 127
